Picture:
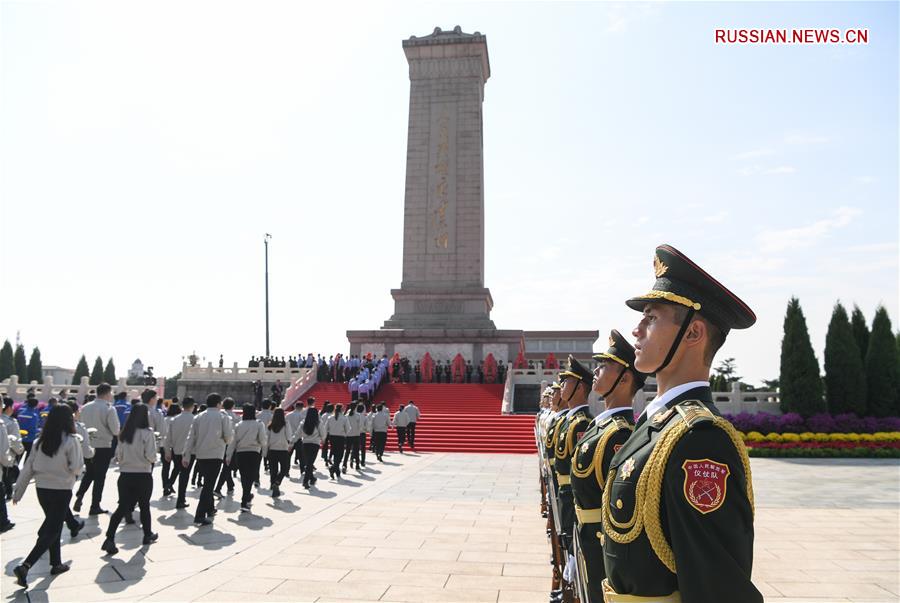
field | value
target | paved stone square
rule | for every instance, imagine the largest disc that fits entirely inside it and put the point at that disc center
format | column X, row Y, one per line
column 452, row 527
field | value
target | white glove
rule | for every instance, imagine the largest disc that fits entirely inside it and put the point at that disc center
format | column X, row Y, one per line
column 569, row 572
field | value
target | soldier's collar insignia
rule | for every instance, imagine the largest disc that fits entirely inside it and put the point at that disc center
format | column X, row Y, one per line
column 661, row 417
column 584, row 448
column 659, row 267
column 627, row 468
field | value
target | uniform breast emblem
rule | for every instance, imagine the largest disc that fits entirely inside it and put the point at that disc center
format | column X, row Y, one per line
column 584, row 448
column 705, row 484
column 627, row 468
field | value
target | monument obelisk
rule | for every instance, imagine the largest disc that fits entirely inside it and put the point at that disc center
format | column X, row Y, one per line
column 442, row 305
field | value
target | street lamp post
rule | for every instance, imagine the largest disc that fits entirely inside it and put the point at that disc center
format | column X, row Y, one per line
column 266, row 243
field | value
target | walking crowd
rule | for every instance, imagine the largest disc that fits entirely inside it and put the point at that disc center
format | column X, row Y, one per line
column 207, row 445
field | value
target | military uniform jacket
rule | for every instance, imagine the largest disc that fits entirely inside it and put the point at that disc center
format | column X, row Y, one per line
column 569, row 432
column 678, row 507
column 550, row 434
column 594, row 455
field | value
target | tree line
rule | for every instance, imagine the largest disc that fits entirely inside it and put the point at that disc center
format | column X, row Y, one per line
column 13, row 363
column 862, row 365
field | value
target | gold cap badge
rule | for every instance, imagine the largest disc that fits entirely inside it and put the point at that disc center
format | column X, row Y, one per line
column 658, row 267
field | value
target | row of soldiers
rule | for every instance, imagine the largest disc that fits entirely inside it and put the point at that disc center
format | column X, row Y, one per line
column 640, row 510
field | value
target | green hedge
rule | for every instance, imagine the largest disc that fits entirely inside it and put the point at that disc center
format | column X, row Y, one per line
column 825, row 453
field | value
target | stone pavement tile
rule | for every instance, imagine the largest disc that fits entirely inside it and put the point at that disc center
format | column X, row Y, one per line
column 291, row 560
column 498, row 582
column 74, row 577
column 766, row 589
column 412, row 594
column 543, row 570
column 471, row 530
column 851, row 576
column 763, row 565
column 464, row 546
column 222, row 595
column 430, row 580
column 248, row 584
column 867, row 565
column 345, row 563
column 314, row 574
column 125, row 589
column 432, row 554
column 830, row 589
column 400, row 543
column 192, row 587
column 340, row 590
column 504, row 557
column 523, row 596
column 528, row 547
column 540, row 536
column 453, row 567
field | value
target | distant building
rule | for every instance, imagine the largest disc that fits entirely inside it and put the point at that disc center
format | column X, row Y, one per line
column 137, row 370
column 60, row 375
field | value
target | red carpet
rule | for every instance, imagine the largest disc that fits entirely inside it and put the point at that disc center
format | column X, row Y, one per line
column 455, row 418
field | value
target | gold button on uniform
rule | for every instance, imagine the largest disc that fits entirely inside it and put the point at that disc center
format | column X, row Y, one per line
column 618, row 503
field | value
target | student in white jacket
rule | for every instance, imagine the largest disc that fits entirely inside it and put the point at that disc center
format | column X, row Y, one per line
column 245, row 452
column 312, row 432
column 279, row 441
column 357, row 422
column 338, row 429
column 136, row 454
column 401, row 420
column 55, row 462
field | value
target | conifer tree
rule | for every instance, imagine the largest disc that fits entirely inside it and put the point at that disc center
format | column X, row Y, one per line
column 801, row 383
column 7, row 367
column 81, row 370
column 882, row 374
column 860, row 331
column 97, row 372
column 21, row 364
column 845, row 375
column 35, row 367
column 109, row 374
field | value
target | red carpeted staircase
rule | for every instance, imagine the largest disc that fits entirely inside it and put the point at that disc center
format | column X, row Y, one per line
column 455, row 417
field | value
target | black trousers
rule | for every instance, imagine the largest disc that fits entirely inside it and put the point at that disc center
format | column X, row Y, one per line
column 134, row 489
column 380, row 440
column 279, row 462
column 248, row 465
column 100, row 465
column 401, row 437
column 310, row 451
column 54, row 503
column 298, row 454
column 411, row 434
column 362, row 447
column 4, row 516
column 225, row 477
column 182, row 474
column 325, row 445
column 337, row 449
column 10, row 475
column 166, row 467
column 566, row 509
column 592, row 553
column 351, row 451
column 209, row 470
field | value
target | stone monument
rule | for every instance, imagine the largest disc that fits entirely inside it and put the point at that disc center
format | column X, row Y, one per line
column 442, row 305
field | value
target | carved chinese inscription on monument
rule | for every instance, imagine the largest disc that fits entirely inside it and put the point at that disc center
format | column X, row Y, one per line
column 442, row 176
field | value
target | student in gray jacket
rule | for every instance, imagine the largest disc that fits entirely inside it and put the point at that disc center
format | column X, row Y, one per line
column 209, row 435
column 100, row 416
column 244, row 451
column 312, row 433
column 136, row 454
column 176, row 438
column 279, row 441
column 54, row 463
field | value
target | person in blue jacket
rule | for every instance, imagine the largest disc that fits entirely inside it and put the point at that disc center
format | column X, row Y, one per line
column 29, row 418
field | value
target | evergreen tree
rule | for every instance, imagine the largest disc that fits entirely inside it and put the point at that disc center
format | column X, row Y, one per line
column 109, row 375
column 21, row 364
column 860, row 331
column 7, row 368
column 882, row 374
column 801, row 383
column 845, row 375
column 97, row 372
column 80, row 371
column 35, row 367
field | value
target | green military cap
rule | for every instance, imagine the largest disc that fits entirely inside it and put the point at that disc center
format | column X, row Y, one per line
column 577, row 370
column 680, row 281
column 621, row 352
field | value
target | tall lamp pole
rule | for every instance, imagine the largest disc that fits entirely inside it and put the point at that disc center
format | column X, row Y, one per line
column 266, row 243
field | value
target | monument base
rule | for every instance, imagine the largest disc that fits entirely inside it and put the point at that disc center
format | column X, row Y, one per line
column 442, row 344
column 442, row 308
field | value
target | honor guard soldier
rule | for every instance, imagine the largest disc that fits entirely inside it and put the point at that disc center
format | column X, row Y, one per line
column 549, row 448
column 617, row 380
column 678, row 501
column 577, row 382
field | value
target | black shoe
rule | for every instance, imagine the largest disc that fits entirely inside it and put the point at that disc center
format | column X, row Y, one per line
column 245, row 507
column 230, row 491
column 21, row 573
column 151, row 538
column 109, row 546
column 256, row 484
column 212, row 513
column 181, row 505
column 97, row 511
column 276, row 492
column 74, row 531
column 313, row 480
column 62, row 568
column 7, row 527
column 306, row 486
column 217, row 494
column 77, row 506
column 202, row 522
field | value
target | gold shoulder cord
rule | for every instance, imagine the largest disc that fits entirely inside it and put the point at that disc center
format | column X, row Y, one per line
column 556, row 443
column 601, row 450
column 583, row 473
column 649, row 492
column 570, row 436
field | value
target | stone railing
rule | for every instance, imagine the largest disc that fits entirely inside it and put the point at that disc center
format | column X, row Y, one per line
column 300, row 387
column 48, row 389
column 236, row 373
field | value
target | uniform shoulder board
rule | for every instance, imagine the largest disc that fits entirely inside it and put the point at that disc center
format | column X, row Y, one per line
column 694, row 412
column 621, row 423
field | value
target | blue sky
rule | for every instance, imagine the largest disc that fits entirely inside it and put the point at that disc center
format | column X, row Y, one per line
column 146, row 147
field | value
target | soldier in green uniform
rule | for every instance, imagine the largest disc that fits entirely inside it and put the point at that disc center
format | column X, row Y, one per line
column 678, row 501
column 617, row 380
column 577, row 381
column 551, row 422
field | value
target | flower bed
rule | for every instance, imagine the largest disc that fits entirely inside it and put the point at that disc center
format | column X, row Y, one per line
column 820, row 423
column 826, row 445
